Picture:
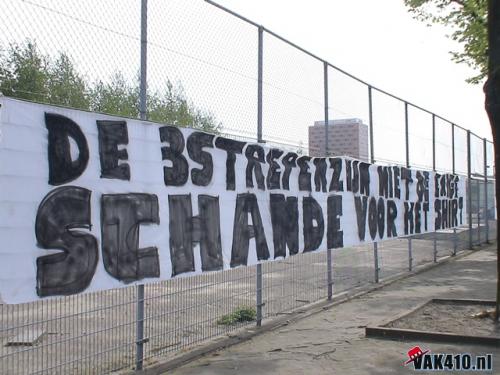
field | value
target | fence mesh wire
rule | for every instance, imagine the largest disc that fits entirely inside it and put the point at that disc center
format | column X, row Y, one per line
column 203, row 72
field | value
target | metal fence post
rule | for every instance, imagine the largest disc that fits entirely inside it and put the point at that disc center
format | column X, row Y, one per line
column 259, row 295
column 260, row 73
column 375, row 258
column 453, row 148
column 139, row 352
column 407, row 137
column 144, row 60
column 410, row 255
column 485, row 156
column 434, row 170
column 478, row 211
column 469, row 185
column 260, row 65
column 370, row 119
column 326, row 107
column 455, row 241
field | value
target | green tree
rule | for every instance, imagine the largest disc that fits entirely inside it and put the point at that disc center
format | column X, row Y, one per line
column 468, row 20
column 24, row 72
column 65, row 85
column 476, row 25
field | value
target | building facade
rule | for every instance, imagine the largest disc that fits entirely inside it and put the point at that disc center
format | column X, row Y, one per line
column 346, row 137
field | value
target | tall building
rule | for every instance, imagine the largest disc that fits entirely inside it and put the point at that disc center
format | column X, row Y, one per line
column 346, row 137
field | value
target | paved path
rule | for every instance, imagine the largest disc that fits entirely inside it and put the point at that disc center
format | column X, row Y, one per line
column 333, row 341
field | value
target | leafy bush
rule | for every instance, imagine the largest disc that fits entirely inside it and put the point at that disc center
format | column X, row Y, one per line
column 240, row 315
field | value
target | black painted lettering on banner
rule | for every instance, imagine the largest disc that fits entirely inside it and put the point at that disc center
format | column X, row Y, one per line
column 111, row 135
column 336, row 184
column 408, row 218
column 320, row 174
column 392, row 214
column 178, row 173
column 232, row 148
column 397, row 190
column 195, row 144
column 334, row 236
column 289, row 162
column 304, row 174
column 361, row 205
column 255, row 156
column 62, row 168
column 71, row 270
column 121, row 218
column 372, row 217
column 381, row 217
column 314, row 224
column 185, row 230
column 364, row 178
column 285, row 223
column 406, row 175
column 242, row 232
column 274, row 171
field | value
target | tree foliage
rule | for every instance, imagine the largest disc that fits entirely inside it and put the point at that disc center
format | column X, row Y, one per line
column 468, row 20
column 26, row 73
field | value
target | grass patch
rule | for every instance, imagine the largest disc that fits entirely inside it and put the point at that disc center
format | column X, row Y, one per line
column 240, row 315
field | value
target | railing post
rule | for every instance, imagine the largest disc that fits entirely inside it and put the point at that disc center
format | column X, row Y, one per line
column 453, row 148
column 139, row 352
column 469, row 185
column 478, row 212
column 375, row 258
column 407, row 136
column 260, row 64
column 327, row 153
column 370, row 119
column 259, row 295
column 260, row 73
column 144, row 61
column 455, row 241
column 486, row 219
column 410, row 255
column 434, row 170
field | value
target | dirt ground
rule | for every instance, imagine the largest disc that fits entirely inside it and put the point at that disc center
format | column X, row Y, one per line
column 450, row 318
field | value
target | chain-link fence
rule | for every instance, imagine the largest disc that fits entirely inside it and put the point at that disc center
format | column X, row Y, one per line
column 202, row 66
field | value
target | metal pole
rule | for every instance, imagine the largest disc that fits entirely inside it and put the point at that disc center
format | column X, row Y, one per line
column 375, row 258
column 325, row 86
column 455, row 241
column 453, row 148
column 469, row 185
column 478, row 212
column 260, row 64
column 259, row 294
column 144, row 61
column 485, row 156
column 139, row 352
column 433, row 142
column 327, row 153
column 329, row 273
column 410, row 255
column 407, row 138
column 434, row 170
column 370, row 119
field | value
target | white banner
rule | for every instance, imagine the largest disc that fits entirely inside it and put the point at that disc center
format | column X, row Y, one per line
column 91, row 202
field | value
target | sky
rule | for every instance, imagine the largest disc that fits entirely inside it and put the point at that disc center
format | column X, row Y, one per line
column 379, row 42
column 213, row 56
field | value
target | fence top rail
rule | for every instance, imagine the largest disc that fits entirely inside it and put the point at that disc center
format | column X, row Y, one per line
column 245, row 19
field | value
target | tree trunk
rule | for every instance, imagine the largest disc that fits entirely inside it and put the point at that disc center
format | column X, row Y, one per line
column 492, row 104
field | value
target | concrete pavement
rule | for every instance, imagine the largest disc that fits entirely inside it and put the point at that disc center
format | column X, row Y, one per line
column 333, row 341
